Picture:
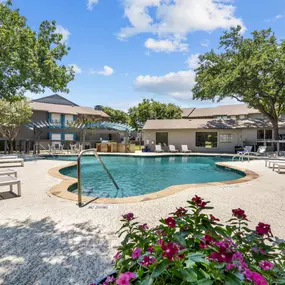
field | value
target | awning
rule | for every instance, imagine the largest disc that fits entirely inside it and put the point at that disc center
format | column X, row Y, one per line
column 77, row 125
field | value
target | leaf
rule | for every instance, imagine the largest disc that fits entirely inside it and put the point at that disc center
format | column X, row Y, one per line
column 148, row 280
column 180, row 239
column 197, row 257
column 189, row 275
column 231, row 279
column 159, row 269
column 204, row 282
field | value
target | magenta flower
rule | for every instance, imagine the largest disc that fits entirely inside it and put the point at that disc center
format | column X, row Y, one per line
column 199, row 201
column 170, row 222
column 255, row 277
column 136, row 253
column 148, row 260
column 263, row 229
column 213, row 218
column 239, row 213
column 170, row 250
column 150, row 249
column 117, row 255
column 143, row 227
column 180, row 212
column 109, row 279
column 266, row 265
column 128, row 217
column 124, row 278
column 206, row 241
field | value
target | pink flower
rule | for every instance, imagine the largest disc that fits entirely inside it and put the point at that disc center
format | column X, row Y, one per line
column 239, row 213
column 143, row 227
column 109, row 279
column 263, row 229
column 199, row 201
column 124, row 278
column 230, row 266
column 266, row 265
column 150, row 249
column 137, row 253
column 147, row 260
column 255, row 277
column 170, row 222
column 180, row 212
column 117, row 255
column 205, row 241
column 128, row 217
column 213, row 218
column 170, row 250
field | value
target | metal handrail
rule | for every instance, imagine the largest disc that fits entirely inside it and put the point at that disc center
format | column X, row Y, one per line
column 80, row 204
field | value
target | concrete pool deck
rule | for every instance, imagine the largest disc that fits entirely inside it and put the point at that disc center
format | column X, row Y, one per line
column 48, row 240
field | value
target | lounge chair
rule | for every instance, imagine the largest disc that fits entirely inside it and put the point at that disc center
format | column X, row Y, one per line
column 261, row 151
column 158, row 148
column 184, row 148
column 12, row 161
column 10, row 181
column 8, row 156
column 280, row 165
column 172, row 148
column 8, row 172
column 247, row 149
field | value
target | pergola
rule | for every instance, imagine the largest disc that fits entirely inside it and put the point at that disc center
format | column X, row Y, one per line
column 103, row 125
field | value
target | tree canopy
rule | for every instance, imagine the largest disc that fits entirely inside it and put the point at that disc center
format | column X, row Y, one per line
column 152, row 110
column 250, row 70
column 29, row 59
column 13, row 115
column 116, row 116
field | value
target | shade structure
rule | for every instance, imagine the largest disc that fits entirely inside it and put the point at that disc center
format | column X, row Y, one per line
column 81, row 126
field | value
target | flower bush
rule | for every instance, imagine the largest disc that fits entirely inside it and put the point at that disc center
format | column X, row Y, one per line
column 192, row 247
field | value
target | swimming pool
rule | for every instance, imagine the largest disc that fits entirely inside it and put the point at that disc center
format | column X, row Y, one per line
column 143, row 175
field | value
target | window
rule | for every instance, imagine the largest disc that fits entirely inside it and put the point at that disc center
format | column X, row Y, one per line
column 207, row 139
column 264, row 134
column 68, row 119
column 56, row 119
column 161, row 138
column 55, row 137
column 226, row 138
column 69, row 137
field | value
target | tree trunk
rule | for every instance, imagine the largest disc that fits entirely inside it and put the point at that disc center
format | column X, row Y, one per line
column 11, row 146
column 275, row 129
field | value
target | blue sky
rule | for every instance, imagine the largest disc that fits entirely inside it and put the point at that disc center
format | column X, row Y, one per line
column 126, row 50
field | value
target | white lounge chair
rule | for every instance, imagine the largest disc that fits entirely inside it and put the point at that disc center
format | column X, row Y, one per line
column 12, row 161
column 8, row 172
column 247, row 149
column 8, row 156
column 10, row 181
column 279, row 166
column 261, row 151
column 172, row 148
column 184, row 148
column 158, row 148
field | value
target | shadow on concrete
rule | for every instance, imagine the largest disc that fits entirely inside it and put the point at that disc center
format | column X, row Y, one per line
column 43, row 253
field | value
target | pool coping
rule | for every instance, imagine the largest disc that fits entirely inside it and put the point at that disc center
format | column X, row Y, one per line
column 61, row 190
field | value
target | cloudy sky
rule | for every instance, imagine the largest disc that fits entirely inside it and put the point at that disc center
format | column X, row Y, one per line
column 126, row 50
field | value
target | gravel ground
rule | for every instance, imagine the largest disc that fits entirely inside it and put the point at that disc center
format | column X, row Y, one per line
column 48, row 240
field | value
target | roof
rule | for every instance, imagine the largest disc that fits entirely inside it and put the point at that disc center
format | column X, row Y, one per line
column 208, row 124
column 66, row 109
column 225, row 110
column 55, row 99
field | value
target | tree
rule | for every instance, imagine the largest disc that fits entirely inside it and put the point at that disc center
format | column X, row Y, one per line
column 116, row 116
column 13, row 115
column 250, row 70
column 28, row 59
column 152, row 110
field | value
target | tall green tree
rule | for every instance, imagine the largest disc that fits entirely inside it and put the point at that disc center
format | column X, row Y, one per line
column 250, row 70
column 152, row 110
column 116, row 116
column 29, row 60
column 13, row 115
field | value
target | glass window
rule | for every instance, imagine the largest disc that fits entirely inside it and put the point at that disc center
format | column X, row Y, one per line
column 226, row 138
column 268, row 134
column 161, row 138
column 207, row 139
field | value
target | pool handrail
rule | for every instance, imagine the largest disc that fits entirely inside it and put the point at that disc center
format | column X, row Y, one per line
column 80, row 204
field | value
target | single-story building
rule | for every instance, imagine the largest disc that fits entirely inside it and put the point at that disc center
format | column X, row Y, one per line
column 218, row 130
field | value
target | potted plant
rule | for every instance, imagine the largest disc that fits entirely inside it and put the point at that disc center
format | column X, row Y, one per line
column 193, row 247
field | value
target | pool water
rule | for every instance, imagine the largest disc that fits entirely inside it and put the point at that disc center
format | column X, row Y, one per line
column 142, row 175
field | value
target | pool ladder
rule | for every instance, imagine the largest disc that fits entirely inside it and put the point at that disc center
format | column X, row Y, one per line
column 80, row 204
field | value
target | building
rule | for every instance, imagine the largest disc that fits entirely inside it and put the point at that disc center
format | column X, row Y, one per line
column 217, row 129
column 56, row 120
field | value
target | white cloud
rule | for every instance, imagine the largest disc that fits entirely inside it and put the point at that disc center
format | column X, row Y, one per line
column 177, row 18
column 76, row 68
column 165, row 45
column 193, row 61
column 91, row 3
column 107, row 71
column 64, row 32
column 175, row 84
column 205, row 43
